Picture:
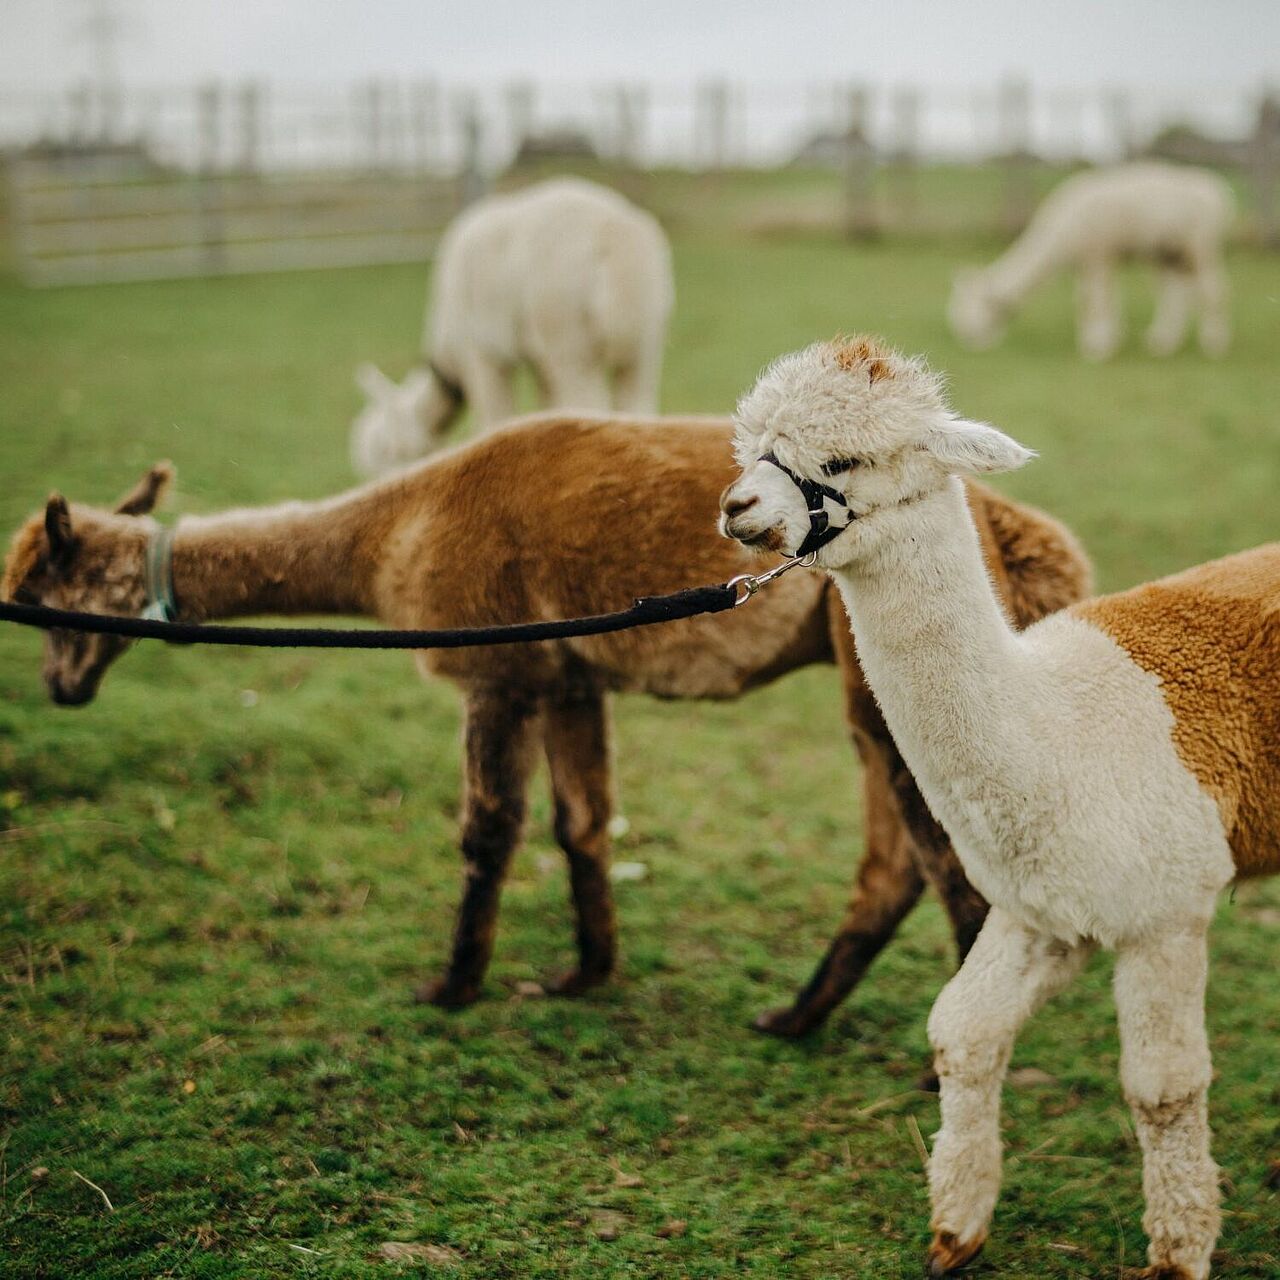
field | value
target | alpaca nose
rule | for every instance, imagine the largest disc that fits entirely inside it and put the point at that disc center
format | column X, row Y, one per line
column 732, row 506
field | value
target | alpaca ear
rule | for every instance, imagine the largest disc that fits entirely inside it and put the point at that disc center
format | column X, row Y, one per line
column 373, row 382
column 973, row 448
column 147, row 492
column 57, row 528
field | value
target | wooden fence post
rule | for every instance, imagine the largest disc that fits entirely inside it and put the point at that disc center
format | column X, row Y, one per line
column 629, row 104
column 470, row 174
column 712, row 124
column 858, row 167
column 1014, row 125
column 110, row 112
column 1265, row 157
column 1117, row 106
column 19, row 214
column 80, row 113
column 370, row 115
column 249, row 160
column 208, row 195
column 424, row 124
column 905, row 108
column 521, row 106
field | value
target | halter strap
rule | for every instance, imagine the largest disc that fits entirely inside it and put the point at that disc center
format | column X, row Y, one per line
column 161, row 605
column 816, row 495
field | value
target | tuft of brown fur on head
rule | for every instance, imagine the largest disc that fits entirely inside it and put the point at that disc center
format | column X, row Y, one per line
column 862, row 352
column 25, row 552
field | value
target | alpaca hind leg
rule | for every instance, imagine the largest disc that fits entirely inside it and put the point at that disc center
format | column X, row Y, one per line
column 1212, row 296
column 499, row 741
column 887, row 887
column 490, row 391
column 1010, row 972
column 636, row 384
column 1165, row 1069
column 574, row 385
column 577, row 741
column 1099, row 320
column 1173, row 310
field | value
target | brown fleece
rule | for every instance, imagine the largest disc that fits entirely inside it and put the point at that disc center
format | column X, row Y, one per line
column 862, row 352
column 1211, row 636
column 557, row 517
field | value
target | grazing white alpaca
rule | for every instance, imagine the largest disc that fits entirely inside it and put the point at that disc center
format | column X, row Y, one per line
column 1102, row 774
column 567, row 277
column 1169, row 215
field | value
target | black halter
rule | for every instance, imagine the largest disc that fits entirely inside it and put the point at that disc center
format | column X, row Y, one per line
column 816, row 497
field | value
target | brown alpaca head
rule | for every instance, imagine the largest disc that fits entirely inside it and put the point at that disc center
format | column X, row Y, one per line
column 83, row 558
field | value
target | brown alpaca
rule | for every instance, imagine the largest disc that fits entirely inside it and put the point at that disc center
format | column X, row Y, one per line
column 553, row 517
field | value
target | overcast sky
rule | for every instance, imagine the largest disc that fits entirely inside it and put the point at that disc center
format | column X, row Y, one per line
column 1177, row 44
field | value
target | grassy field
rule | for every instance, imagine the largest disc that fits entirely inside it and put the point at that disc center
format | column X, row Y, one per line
column 219, row 882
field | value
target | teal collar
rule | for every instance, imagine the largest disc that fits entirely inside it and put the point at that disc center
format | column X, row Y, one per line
column 161, row 605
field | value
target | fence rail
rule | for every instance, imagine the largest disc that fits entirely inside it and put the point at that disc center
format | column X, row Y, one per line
column 115, row 184
column 70, row 231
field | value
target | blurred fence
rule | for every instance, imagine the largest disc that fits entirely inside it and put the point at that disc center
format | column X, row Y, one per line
column 108, row 183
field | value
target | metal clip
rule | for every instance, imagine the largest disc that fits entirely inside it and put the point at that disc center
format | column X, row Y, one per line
column 752, row 582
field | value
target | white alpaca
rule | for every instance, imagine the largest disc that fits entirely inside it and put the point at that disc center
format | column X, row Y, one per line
column 1169, row 215
column 1102, row 774
column 567, row 277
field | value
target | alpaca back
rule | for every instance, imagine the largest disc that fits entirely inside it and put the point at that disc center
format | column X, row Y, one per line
column 1211, row 636
column 1148, row 208
column 564, row 269
column 560, row 516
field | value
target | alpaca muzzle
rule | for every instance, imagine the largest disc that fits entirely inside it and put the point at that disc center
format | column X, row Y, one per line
column 829, row 511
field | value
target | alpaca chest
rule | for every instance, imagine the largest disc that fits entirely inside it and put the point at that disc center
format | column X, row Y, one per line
column 1077, row 814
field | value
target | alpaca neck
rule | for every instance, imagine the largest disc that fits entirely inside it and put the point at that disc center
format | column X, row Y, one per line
column 939, row 653
column 1034, row 256
column 299, row 557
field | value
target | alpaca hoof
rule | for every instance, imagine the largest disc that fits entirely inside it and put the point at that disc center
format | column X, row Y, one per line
column 789, row 1022
column 947, row 1254
column 447, row 995
column 1162, row 1271
column 574, row 982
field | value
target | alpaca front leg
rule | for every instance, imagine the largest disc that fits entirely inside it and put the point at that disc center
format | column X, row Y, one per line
column 1165, row 1070
column 498, row 743
column 1009, row 974
column 577, row 742
column 1173, row 310
column 1099, row 318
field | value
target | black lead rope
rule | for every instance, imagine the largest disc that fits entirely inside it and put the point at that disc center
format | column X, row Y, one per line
column 645, row 612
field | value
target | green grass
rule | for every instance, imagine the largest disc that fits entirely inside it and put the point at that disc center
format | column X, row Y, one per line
column 211, row 913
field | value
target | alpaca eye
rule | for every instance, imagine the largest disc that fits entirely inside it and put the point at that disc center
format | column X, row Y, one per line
column 837, row 466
